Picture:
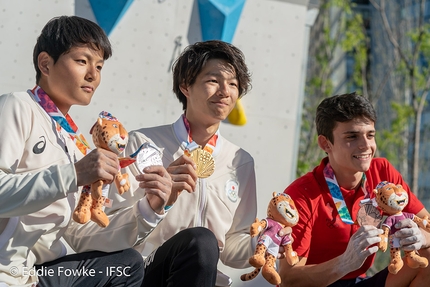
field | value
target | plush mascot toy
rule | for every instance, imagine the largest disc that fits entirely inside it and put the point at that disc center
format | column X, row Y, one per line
column 281, row 212
column 391, row 199
column 107, row 133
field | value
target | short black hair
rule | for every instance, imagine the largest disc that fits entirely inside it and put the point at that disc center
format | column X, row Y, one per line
column 342, row 108
column 193, row 59
column 62, row 33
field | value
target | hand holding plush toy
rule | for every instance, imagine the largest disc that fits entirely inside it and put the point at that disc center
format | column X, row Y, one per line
column 391, row 200
column 281, row 213
column 107, row 133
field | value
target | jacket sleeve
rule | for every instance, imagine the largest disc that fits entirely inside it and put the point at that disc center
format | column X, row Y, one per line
column 28, row 192
column 239, row 245
column 131, row 217
column 127, row 228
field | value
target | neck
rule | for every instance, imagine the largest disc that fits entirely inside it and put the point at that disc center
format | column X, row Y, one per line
column 351, row 182
column 200, row 132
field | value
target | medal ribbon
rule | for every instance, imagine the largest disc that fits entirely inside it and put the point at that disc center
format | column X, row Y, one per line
column 63, row 122
column 337, row 196
column 210, row 146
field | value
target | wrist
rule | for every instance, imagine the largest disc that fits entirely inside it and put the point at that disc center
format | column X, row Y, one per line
column 151, row 216
column 342, row 266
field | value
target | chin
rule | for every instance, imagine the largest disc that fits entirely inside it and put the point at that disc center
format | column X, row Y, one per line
column 364, row 168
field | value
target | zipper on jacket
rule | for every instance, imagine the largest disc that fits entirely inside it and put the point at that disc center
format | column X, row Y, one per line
column 201, row 208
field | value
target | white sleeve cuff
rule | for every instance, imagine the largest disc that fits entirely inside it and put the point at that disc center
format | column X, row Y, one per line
column 151, row 217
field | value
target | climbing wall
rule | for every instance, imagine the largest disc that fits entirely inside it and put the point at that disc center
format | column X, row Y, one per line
column 147, row 35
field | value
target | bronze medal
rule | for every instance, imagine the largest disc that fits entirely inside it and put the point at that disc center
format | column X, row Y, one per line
column 368, row 214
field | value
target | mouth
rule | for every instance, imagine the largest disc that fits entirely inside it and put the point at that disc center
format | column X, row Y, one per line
column 220, row 104
column 120, row 147
column 289, row 213
column 363, row 157
column 401, row 202
column 88, row 89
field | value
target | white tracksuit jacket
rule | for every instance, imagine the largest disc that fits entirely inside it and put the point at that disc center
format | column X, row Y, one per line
column 225, row 202
column 38, row 190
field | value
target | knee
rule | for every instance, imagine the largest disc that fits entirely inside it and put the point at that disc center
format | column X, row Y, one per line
column 203, row 244
column 133, row 258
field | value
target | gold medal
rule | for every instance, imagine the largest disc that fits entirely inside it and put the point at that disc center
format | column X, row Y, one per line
column 204, row 161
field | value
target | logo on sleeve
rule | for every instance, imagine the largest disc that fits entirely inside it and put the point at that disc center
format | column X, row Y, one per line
column 39, row 147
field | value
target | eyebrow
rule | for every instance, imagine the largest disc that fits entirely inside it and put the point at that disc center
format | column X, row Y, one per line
column 218, row 74
column 357, row 132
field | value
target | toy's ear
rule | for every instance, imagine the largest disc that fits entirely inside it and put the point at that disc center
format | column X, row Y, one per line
column 274, row 194
column 375, row 191
column 98, row 122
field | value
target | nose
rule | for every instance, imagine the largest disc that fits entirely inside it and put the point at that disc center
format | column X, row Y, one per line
column 123, row 133
column 364, row 143
column 224, row 90
column 92, row 73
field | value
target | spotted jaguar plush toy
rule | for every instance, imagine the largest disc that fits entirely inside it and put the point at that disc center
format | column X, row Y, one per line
column 392, row 199
column 107, row 133
column 281, row 212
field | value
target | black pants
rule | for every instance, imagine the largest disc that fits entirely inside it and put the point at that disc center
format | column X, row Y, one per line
column 377, row 280
column 188, row 259
column 91, row 269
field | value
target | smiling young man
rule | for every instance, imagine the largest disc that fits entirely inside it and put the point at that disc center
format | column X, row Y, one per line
column 44, row 161
column 211, row 219
column 333, row 250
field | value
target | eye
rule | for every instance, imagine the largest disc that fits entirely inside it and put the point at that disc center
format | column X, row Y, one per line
column 99, row 67
column 115, row 126
column 82, row 61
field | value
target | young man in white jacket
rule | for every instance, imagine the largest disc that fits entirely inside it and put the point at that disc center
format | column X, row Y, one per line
column 212, row 218
column 44, row 162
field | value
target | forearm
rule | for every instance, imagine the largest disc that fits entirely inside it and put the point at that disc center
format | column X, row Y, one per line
column 426, row 235
column 27, row 193
column 126, row 229
column 317, row 275
column 238, row 249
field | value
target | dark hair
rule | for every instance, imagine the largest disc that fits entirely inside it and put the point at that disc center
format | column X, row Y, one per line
column 192, row 60
column 62, row 33
column 342, row 108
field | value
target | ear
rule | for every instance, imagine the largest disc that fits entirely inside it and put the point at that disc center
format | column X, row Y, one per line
column 98, row 122
column 184, row 90
column 43, row 62
column 324, row 143
column 375, row 191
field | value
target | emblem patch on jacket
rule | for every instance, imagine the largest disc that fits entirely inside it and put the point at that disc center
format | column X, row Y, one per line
column 39, row 147
column 232, row 189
